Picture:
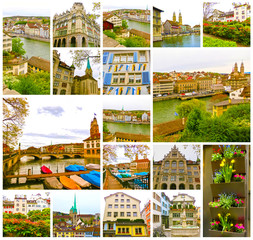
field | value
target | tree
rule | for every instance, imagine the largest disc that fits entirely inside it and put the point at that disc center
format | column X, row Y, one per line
column 105, row 128
column 109, row 154
column 185, row 108
column 80, row 57
column 96, row 10
column 208, row 9
column 15, row 110
column 17, row 47
column 124, row 24
column 132, row 150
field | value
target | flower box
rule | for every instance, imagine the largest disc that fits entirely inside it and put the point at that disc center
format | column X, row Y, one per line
column 238, row 187
column 237, row 212
column 239, row 165
column 215, row 233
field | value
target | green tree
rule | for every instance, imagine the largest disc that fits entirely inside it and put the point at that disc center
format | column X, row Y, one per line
column 96, row 10
column 124, row 24
column 185, row 108
column 105, row 128
column 17, row 47
column 15, row 110
column 110, row 34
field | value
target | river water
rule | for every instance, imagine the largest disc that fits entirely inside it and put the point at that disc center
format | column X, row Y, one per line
column 145, row 27
column 55, row 165
column 179, row 41
column 128, row 128
column 164, row 111
column 36, row 48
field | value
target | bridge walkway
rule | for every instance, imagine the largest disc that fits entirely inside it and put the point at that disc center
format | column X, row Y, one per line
column 111, row 182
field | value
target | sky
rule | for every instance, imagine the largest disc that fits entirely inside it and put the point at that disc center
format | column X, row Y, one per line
column 191, row 10
column 129, row 103
column 26, row 8
column 225, row 6
column 142, row 195
column 66, row 57
column 193, row 193
column 11, row 194
column 121, row 158
column 87, row 202
column 161, row 150
column 205, row 59
column 59, row 119
column 109, row 5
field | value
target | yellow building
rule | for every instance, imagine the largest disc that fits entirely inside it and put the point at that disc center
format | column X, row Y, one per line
column 183, row 86
column 204, row 84
column 15, row 66
column 157, row 24
column 221, row 107
column 7, row 42
column 122, row 217
column 38, row 64
column 65, row 233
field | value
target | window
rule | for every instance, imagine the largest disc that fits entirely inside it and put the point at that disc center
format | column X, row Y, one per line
column 142, row 56
column 173, row 170
column 116, row 59
column 57, row 75
column 122, row 214
column 165, row 171
column 174, row 164
column 123, row 58
column 130, row 58
column 109, row 214
column 138, row 231
column 64, row 85
column 115, row 214
column 59, row 70
column 167, row 164
column 196, row 173
column 128, row 214
column 121, row 200
column 181, row 164
column 131, row 78
column 128, row 205
column 134, row 206
column 195, row 168
column 121, row 205
column 190, row 180
column 115, row 79
column 190, row 215
column 116, row 206
column 165, row 178
column 134, row 214
column 189, row 173
column 181, row 178
column 181, row 170
column 128, row 200
column 65, row 78
column 176, row 215
column 138, row 78
column 122, row 79
column 173, row 178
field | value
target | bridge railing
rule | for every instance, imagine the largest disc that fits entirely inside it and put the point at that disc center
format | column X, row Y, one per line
column 6, row 156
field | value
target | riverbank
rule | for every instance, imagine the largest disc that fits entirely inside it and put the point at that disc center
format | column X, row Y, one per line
column 30, row 37
column 136, row 123
column 182, row 34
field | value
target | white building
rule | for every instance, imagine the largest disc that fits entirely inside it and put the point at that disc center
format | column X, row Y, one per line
column 144, row 117
column 157, row 210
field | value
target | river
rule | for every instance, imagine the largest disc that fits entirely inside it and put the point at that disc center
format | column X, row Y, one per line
column 128, row 128
column 36, row 48
column 179, row 41
column 55, row 165
column 141, row 26
column 164, row 111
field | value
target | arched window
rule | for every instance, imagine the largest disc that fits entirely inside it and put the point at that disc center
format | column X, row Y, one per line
column 167, row 164
column 198, row 186
column 174, row 164
column 191, row 186
column 181, row 186
column 173, row 186
column 164, row 186
column 181, row 164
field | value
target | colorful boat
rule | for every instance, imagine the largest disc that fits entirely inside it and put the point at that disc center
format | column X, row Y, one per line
column 45, row 170
column 78, row 180
column 69, row 183
column 74, row 168
column 91, row 178
column 93, row 166
column 52, row 183
column 96, row 173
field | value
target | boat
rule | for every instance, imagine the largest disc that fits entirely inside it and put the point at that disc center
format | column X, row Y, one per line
column 74, row 168
column 52, row 183
column 91, row 178
column 69, row 183
column 78, row 180
column 45, row 170
column 96, row 173
column 93, row 166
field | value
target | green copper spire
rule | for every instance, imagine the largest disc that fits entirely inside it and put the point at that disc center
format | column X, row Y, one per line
column 88, row 63
column 74, row 207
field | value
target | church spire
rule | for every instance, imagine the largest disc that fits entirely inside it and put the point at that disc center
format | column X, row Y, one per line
column 88, row 70
column 174, row 17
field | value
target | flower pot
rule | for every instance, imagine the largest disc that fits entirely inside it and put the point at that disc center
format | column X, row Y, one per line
column 239, row 165
column 215, row 233
column 238, row 213
column 238, row 187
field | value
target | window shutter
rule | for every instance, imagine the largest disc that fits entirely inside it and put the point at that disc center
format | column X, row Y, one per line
column 105, row 57
column 107, row 79
column 135, row 57
column 111, row 58
column 145, row 78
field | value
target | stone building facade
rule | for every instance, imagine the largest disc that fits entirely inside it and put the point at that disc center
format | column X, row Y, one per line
column 75, row 28
column 175, row 172
column 126, row 72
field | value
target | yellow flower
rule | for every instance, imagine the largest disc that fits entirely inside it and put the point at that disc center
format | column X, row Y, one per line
column 231, row 224
column 233, row 170
column 219, row 215
column 230, row 166
column 233, row 161
column 222, row 164
column 224, row 160
column 228, row 214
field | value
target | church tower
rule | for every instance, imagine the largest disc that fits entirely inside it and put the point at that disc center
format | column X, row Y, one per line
column 180, row 19
column 174, row 17
column 242, row 69
column 88, row 70
column 73, row 212
column 94, row 129
column 236, row 68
